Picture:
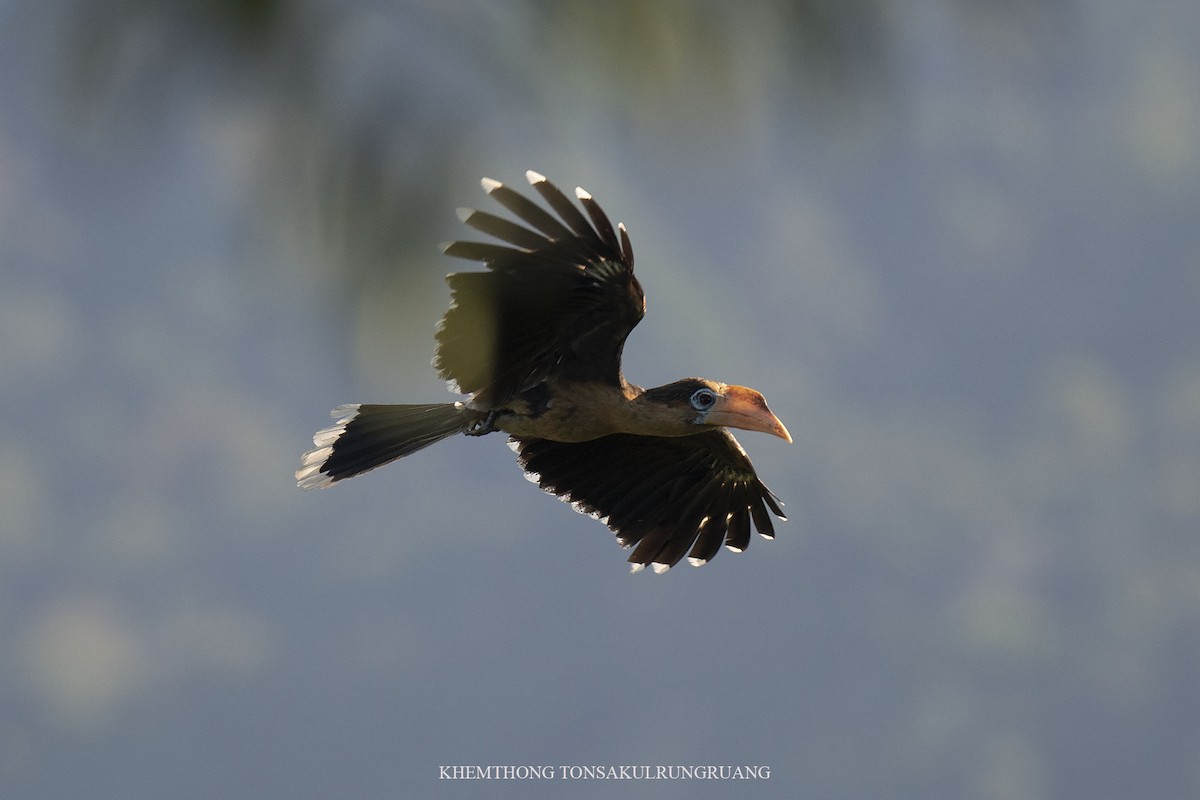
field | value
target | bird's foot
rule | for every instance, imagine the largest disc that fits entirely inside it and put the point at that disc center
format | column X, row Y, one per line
column 483, row 426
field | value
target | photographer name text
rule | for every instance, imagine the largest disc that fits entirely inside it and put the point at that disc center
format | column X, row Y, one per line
column 598, row 772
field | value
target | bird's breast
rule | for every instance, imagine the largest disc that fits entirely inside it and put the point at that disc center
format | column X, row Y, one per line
column 571, row 413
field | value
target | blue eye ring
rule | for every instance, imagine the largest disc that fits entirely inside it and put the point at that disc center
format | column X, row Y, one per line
column 703, row 399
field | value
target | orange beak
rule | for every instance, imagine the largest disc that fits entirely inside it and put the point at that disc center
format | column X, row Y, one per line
column 746, row 409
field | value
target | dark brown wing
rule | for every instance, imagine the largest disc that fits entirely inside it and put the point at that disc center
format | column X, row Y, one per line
column 557, row 302
column 660, row 495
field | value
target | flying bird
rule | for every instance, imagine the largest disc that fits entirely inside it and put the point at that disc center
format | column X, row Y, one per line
column 535, row 343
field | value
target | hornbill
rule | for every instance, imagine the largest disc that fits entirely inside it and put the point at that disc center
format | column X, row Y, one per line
column 536, row 341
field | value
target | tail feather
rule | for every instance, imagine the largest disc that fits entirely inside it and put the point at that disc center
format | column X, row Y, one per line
column 367, row 436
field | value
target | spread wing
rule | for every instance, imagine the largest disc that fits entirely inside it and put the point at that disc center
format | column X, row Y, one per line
column 660, row 495
column 557, row 302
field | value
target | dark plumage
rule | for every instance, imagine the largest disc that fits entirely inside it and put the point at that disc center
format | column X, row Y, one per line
column 536, row 341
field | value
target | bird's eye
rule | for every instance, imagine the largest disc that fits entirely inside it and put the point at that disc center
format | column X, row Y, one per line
column 703, row 399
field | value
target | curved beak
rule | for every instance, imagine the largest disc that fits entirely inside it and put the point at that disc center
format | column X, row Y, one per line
column 743, row 408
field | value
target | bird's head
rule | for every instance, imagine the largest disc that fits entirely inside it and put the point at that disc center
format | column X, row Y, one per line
column 700, row 402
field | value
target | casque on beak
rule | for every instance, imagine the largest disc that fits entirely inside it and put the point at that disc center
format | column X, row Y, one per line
column 743, row 408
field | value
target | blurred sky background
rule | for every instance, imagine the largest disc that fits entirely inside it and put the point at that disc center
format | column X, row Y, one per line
column 954, row 242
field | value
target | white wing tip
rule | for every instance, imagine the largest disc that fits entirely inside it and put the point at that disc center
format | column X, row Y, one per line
column 582, row 194
column 636, row 568
column 534, row 177
column 490, row 184
column 463, row 213
column 697, row 562
column 659, row 568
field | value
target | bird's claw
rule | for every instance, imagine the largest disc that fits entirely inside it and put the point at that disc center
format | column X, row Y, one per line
column 483, row 426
